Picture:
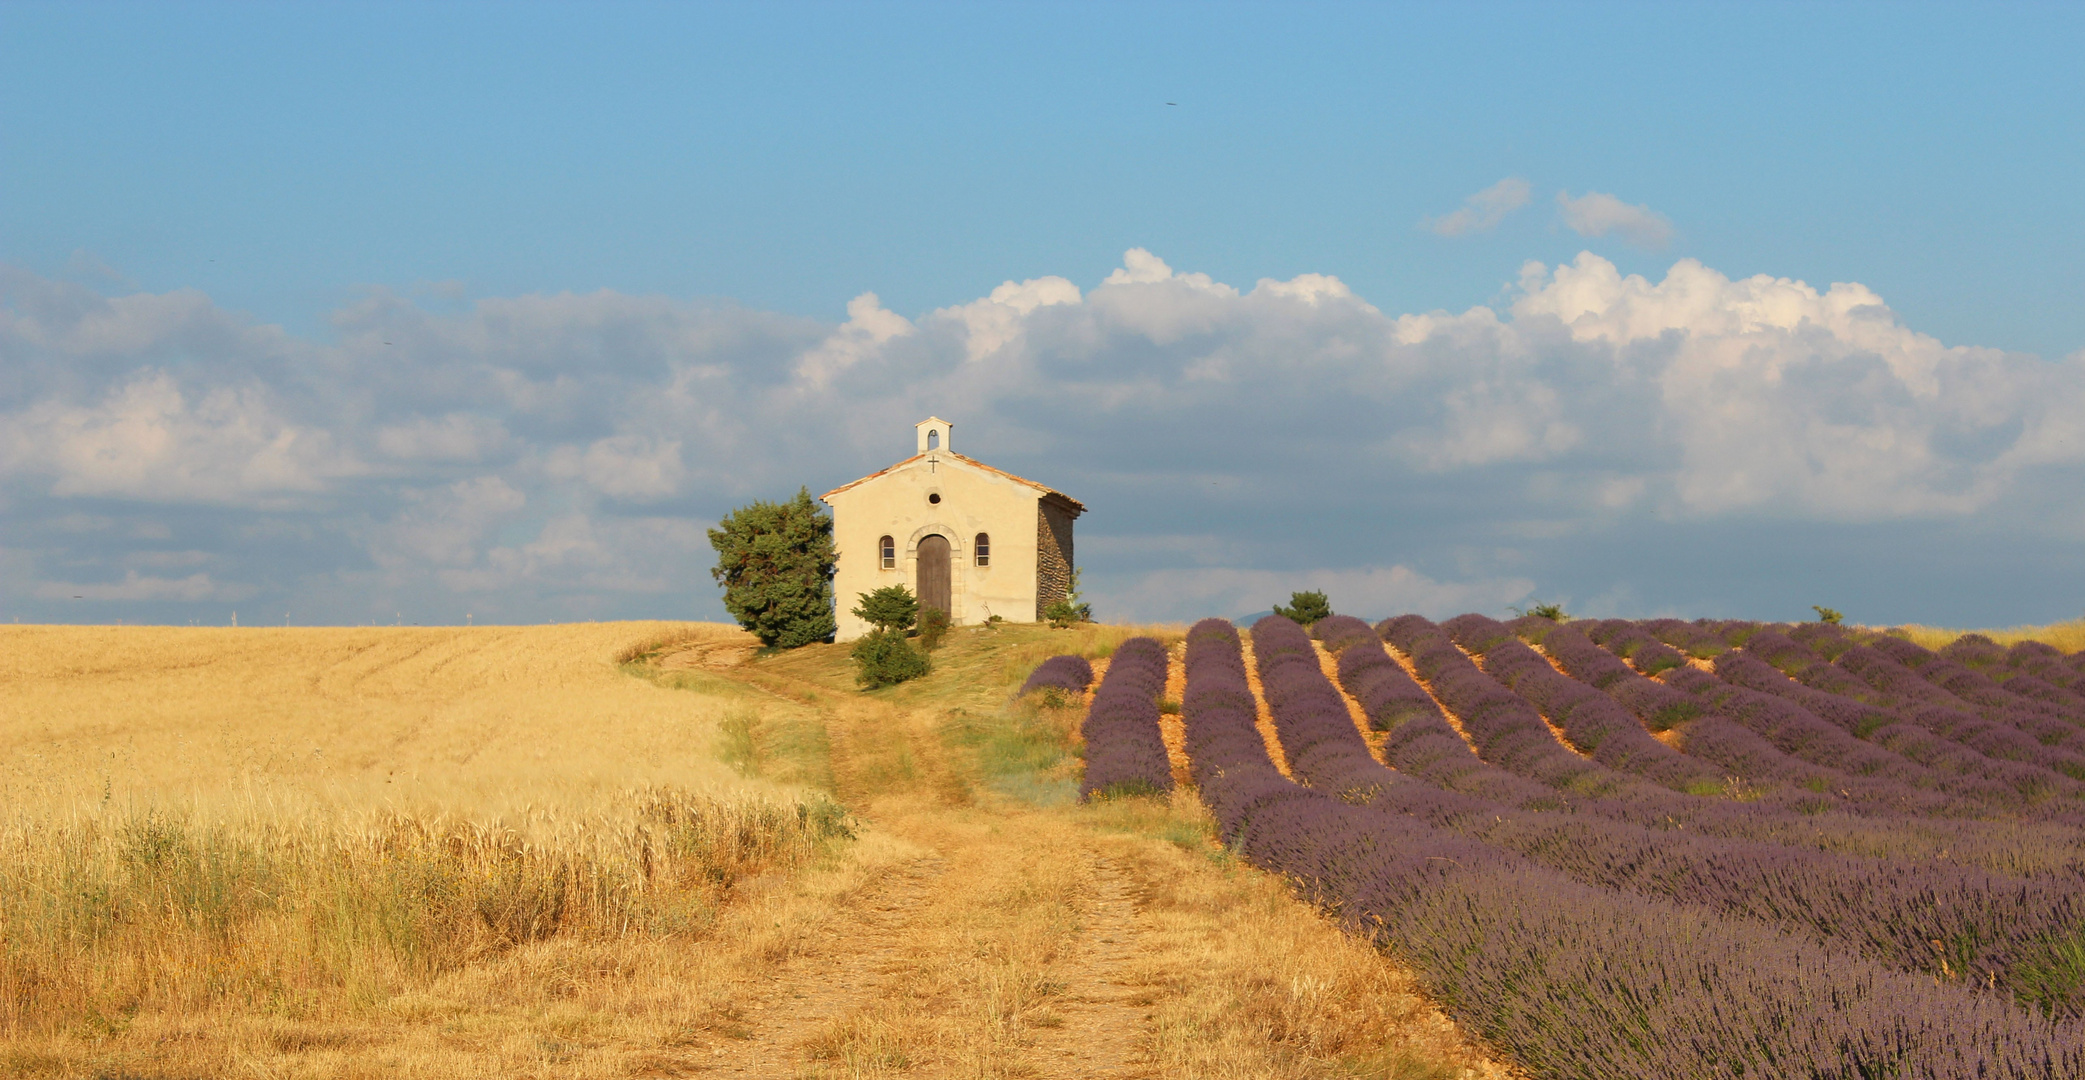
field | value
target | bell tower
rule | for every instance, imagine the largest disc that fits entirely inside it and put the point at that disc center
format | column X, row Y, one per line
column 933, row 434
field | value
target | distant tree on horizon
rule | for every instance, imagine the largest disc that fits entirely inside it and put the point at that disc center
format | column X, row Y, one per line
column 1306, row 608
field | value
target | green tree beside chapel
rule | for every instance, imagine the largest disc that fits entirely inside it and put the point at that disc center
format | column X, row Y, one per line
column 775, row 561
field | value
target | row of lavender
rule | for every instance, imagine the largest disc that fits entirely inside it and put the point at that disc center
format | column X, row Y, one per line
column 2023, row 733
column 1571, row 910
column 1746, row 857
column 1781, row 798
column 1125, row 755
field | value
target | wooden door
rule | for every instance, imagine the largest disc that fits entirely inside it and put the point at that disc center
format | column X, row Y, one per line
column 933, row 585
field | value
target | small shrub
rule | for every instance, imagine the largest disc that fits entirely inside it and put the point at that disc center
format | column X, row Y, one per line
column 1070, row 611
column 1305, row 608
column 892, row 607
column 1552, row 612
column 1063, row 615
column 933, row 625
column 1826, row 615
column 884, row 658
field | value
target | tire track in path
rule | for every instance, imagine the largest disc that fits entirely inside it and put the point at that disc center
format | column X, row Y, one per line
column 887, row 991
column 775, row 1034
column 1101, row 1022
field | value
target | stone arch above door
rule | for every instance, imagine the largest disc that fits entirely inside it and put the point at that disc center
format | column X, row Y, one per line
column 948, row 533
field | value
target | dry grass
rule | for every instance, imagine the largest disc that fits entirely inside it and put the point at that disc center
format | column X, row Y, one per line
column 1022, row 648
column 2068, row 636
column 245, row 845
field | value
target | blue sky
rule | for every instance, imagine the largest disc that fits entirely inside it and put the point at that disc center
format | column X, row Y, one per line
column 257, row 196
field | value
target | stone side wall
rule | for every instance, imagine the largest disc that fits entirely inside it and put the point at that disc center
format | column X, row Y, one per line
column 1052, row 556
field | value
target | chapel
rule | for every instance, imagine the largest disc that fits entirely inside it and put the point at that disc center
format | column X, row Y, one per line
column 963, row 536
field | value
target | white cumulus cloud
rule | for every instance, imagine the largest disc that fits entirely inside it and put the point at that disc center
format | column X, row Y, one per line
column 452, row 437
column 996, row 321
column 869, row 325
column 153, row 440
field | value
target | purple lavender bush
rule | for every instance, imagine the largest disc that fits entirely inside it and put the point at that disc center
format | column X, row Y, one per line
column 1506, row 730
column 1593, row 722
column 1318, row 735
column 1125, row 754
column 1073, row 673
column 2044, row 662
column 1339, row 632
column 1387, row 695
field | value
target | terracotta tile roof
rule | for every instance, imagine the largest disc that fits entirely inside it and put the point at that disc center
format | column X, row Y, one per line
column 1077, row 507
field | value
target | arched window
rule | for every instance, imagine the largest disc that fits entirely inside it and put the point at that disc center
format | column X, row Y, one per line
column 933, row 440
column 983, row 550
column 889, row 548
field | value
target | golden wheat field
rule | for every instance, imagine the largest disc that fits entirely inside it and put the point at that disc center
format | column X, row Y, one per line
column 2068, row 636
column 214, row 838
column 271, row 721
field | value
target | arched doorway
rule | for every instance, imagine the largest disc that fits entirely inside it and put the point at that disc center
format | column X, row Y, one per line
column 932, row 588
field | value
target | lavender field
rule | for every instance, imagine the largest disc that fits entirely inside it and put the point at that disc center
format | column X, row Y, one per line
column 1661, row 849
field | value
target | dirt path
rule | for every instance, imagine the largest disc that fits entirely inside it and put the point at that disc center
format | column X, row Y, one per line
column 1328, row 661
column 898, row 985
column 1264, row 720
column 1100, row 1020
column 1000, row 949
column 776, row 1033
column 1447, row 713
column 1012, row 938
column 1172, row 727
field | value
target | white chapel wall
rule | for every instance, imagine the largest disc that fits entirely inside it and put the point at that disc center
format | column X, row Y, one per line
column 973, row 500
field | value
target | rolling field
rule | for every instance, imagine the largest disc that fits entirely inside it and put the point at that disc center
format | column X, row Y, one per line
column 620, row 850
column 1662, row 849
column 1591, row 849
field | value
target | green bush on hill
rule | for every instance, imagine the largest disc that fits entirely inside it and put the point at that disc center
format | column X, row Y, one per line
column 884, row 658
column 889, row 608
column 933, row 625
